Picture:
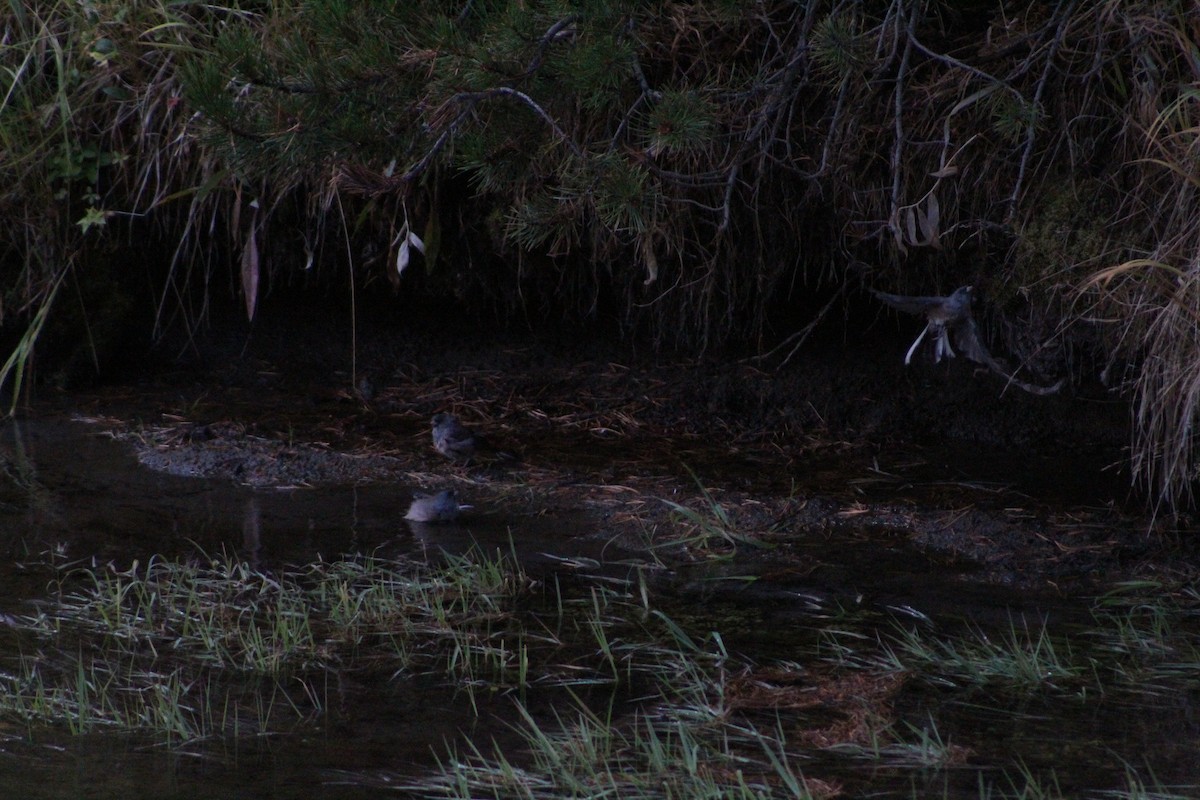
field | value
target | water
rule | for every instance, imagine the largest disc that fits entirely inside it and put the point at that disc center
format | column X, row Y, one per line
column 70, row 494
column 74, row 493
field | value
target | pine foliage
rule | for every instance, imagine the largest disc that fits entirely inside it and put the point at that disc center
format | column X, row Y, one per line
column 692, row 167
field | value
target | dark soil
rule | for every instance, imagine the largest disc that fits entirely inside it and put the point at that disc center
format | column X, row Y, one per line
column 842, row 445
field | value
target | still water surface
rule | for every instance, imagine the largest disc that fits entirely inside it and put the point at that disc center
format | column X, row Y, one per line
column 77, row 495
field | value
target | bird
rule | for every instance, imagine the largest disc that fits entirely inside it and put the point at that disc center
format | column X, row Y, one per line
column 947, row 317
column 950, row 317
column 440, row 507
column 452, row 439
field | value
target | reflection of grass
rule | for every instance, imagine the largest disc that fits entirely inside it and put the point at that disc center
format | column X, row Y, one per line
column 710, row 727
column 226, row 615
column 585, row 755
column 709, row 527
column 686, row 742
column 910, row 746
column 189, row 650
column 86, row 696
column 665, row 707
column 1027, row 785
column 216, row 648
column 1023, row 783
column 1150, row 631
column 1136, row 789
column 1020, row 657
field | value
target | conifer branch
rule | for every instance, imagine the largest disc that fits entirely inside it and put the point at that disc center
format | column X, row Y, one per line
column 1031, row 129
column 554, row 33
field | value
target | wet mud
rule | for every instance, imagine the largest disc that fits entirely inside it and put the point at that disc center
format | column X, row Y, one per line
column 936, row 467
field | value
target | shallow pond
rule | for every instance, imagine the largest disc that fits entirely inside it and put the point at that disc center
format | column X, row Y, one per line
column 864, row 664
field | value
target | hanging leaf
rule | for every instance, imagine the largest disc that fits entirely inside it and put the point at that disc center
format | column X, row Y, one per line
column 250, row 275
column 929, row 218
column 402, row 258
column 416, row 242
column 910, row 226
column 407, row 240
column 650, row 260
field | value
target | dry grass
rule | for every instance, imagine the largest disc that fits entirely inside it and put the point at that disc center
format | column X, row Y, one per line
column 716, row 167
column 1151, row 301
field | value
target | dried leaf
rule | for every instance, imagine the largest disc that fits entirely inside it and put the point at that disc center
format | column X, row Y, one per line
column 250, row 272
column 929, row 218
column 402, row 257
column 910, row 226
column 972, row 98
column 235, row 216
column 650, row 260
column 416, row 242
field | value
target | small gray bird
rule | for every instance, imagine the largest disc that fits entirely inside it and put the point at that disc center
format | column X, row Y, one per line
column 951, row 317
column 452, row 439
column 440, row 507
column 947, row 317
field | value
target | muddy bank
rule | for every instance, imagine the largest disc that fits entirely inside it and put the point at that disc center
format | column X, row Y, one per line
column 842, row 444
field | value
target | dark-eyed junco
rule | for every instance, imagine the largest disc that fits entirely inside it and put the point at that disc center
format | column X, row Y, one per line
column 452, row 439
column 440, row 507
column 950, row 317
column 947, row 317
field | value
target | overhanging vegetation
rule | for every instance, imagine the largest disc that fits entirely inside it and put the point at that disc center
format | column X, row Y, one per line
column 689, row 168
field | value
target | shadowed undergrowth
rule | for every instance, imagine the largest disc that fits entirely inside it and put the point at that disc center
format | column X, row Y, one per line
column 686, row 171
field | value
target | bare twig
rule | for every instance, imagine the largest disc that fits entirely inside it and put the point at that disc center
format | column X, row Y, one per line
column 1031, row 128
column 801, row 336
column 898, row 124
